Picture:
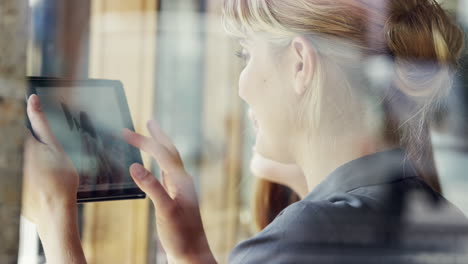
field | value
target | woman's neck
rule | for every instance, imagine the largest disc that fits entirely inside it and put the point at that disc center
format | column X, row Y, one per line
column 319, row 159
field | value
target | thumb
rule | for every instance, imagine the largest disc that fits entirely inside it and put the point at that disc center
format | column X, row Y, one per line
column 151, row 186
column 40, row 123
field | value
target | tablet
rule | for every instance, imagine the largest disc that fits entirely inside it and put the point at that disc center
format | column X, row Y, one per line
column 87, row 118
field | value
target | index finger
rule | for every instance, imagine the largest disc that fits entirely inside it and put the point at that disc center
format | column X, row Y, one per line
column 158, row 134
column 166, row 160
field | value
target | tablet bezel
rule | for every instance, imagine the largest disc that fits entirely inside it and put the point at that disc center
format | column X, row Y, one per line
column 95, row 196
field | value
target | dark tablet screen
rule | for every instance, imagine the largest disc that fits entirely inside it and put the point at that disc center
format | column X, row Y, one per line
column 87, row 118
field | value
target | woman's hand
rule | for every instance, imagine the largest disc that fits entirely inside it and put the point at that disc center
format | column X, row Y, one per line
column 50, row 180
column 178, row 217
column 49, row 191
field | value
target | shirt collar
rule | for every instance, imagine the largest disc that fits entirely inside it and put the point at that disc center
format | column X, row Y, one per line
column 378, row 168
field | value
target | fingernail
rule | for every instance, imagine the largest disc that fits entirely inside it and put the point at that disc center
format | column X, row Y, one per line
column 35, row 102
column 139, row 171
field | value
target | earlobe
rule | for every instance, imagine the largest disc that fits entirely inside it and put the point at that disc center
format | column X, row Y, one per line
column 299, row 87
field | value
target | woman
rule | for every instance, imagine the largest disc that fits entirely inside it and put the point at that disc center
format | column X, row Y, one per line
column 361, row 139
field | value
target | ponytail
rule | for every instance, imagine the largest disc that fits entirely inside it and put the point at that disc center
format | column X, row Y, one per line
column 426, row 45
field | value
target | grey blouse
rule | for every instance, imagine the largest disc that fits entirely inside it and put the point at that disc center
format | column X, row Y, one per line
column 375, row 209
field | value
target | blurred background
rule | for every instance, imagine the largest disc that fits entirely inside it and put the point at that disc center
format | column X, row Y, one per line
column 178, row 66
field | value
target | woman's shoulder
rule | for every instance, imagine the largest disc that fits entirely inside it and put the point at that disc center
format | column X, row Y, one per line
column 401, row 217
column 377, row 213
column 279, row 241
column 302, row 230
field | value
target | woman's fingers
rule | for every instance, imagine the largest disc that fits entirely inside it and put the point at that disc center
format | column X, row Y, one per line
column 163, row 180
column 158, row 134
column 174, row 177
column 39, row 122
column 151, row 186
column 165, row 158
column 139, row 141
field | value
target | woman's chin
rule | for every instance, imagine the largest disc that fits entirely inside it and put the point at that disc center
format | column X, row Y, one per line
column 268, row 153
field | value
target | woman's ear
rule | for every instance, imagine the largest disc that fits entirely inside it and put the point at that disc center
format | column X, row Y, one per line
column 303, row 58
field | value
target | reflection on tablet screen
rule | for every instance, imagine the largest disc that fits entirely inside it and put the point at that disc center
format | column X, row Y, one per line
column 88, row 123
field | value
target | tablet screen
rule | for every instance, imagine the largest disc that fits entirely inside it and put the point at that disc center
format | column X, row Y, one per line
column 88, row 122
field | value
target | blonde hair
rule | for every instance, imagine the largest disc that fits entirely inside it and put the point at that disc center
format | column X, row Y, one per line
column 417, row 36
